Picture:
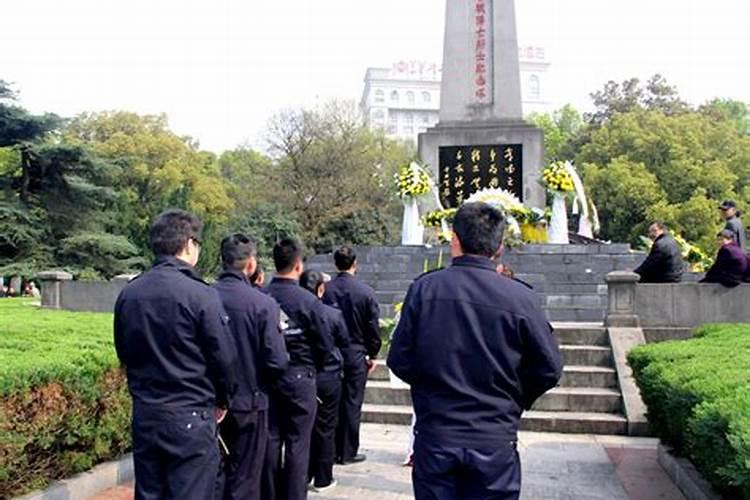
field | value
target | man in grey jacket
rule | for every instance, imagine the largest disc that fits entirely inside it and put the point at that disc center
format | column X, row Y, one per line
column 729, row 212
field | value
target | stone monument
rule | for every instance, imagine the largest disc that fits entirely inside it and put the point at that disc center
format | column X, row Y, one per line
column 481, row 140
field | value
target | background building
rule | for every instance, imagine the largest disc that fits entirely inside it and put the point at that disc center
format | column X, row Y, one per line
column 405, row 98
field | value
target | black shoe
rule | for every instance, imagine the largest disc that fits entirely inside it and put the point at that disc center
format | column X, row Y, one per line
column 353, row 460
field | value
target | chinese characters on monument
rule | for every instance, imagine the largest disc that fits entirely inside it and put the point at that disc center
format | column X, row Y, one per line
column 467, row 169
column 482, row 50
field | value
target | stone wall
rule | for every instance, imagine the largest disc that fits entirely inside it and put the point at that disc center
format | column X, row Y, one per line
column 59, row 291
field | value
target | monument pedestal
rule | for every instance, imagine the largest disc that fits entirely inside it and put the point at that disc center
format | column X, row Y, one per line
column 529, row 137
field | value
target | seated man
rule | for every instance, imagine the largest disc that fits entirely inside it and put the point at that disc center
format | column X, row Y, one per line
column 731, row 263
column 664, row 262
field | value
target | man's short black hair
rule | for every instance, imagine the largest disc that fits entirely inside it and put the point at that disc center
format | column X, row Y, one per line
column 311, row 280
column 344, row 258
column 171, row 231
column 236, row 250
column 479, row 228
column 286, row 253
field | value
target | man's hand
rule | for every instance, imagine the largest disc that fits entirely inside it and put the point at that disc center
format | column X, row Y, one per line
column 219, row 414
column 370, row 366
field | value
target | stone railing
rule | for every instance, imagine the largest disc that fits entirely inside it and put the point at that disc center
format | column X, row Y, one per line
column 59, row 291
column 680, row 306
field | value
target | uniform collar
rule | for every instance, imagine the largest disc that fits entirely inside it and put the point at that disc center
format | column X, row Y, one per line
column 344, row 274
column 284, row 281
column 231, row 273
column 180, row 265
column 475, row 261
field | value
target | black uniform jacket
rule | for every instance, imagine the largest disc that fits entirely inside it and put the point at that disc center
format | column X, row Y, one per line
column 172, row 335
column 304, row 325
column 261, row 352
column 360, row 308
column 664, row 262
column 477, row 350
column 337, row 325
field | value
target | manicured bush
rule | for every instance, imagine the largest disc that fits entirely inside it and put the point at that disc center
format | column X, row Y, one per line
column 698, row 397
column 64, row 405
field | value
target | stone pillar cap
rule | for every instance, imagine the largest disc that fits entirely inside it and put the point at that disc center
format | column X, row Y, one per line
column 622, row 277
column 54, row 276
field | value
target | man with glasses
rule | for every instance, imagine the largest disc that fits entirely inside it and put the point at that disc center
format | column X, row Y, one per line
column 171, row 334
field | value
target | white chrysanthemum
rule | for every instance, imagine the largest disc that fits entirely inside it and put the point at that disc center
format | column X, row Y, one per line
column 497, row 197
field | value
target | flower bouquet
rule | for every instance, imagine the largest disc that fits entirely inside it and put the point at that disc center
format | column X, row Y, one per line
column 412, row 182
column 557, row 179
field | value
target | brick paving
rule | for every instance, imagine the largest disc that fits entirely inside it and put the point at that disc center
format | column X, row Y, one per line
column 555, row 467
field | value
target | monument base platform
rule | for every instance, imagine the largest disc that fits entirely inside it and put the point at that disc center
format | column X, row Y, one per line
column 481, row 133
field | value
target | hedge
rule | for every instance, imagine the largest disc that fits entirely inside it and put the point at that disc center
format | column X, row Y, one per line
column 64, row 405
column 698, row 396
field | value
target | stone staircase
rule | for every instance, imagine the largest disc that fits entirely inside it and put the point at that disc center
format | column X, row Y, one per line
column 587, row 400
column 569, row 282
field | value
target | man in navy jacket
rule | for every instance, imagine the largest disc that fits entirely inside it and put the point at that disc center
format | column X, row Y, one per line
column 293, row 403
column 359, row 305
column 172, row 336
column 477, row 351
column 261, row 360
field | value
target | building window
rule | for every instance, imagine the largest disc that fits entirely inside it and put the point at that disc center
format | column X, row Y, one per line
column 408, row 130
column 410, row 97
column 426, row 118
column 392, row 118
column 379, row 95
column 392, row 129
column 409, row 118
column 426, row 97
column 394, row 96
column 378, row 115
column 534, row 90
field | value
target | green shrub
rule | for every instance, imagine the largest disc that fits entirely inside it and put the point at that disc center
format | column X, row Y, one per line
column 698, row 398
column 64, row 405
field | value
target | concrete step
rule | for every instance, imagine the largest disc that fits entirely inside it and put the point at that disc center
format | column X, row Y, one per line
column 536, row 421
column 589, row 376
column 575, row 314
column 558, row 399
column 573, row 376
column 381, row 371
column 380, row 392
column 586, row 355
column 581, row 334
column 576, row 300
column 574, row 422
column 586, row 399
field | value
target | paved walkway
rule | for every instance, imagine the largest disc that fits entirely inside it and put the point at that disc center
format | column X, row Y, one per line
column 555, row 466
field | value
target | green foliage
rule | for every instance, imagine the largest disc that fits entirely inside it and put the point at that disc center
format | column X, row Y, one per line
column 562, row 131
column 106, row 254
column 698, row 398
column 623, row 193
column 329, row 166
column 692, row 162
column 64, row 404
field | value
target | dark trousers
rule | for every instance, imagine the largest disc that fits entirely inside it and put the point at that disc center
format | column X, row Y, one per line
column 175, row 454
column 291, row 418
column 323, row 447
column 246, row 437
column 442, row 473
column 352, row 397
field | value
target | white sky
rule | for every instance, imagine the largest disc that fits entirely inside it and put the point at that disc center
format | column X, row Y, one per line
column 220, row 68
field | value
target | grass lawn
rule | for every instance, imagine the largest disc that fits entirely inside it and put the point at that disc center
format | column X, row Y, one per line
column 40, row 345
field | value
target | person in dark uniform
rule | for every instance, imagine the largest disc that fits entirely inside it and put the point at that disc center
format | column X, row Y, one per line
column 172, row 336
column 664, row 262
column 261, row 360
column 323, row 447
column 293, row 400
column 359, row 305
column 731, row 215
column 477, row 351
